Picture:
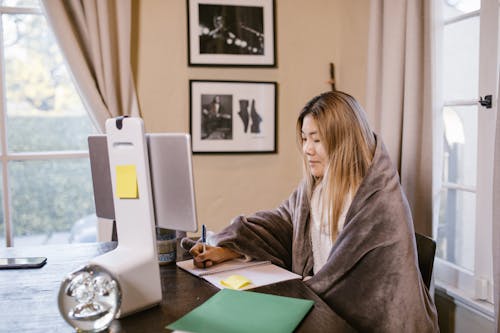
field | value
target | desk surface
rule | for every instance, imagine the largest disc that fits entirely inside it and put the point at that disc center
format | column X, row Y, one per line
column 28, row 297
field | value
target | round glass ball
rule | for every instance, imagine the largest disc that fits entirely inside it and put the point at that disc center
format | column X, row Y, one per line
column 90, row 298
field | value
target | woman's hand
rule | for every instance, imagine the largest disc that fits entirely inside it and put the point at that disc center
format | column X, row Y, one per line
column 211, row 256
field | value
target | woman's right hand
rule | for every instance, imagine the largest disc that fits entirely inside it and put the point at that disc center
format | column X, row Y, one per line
column 211, row 256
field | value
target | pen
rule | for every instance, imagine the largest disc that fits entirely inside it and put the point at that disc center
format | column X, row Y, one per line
column 203, row 236
column 204, row 239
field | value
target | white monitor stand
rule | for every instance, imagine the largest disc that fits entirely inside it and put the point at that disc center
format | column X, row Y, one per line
column 134, row 262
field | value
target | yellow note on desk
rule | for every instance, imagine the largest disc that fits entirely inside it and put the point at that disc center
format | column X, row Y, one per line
column 235, row 282
column 126, row 182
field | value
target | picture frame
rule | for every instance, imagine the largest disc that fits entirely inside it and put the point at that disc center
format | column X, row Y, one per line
column 231, row 33
column 233, row 116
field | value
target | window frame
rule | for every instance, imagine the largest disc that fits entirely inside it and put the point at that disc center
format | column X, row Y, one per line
column 5, row 156
column 476, row 284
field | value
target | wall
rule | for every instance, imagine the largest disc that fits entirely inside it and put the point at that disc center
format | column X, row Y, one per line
column 310, row 35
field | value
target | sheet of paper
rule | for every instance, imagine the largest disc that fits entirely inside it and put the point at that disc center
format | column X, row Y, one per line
column 231, row 311
column 126, row 182
column 259, row 275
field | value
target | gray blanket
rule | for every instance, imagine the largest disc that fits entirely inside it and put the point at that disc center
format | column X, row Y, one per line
column 371, row 278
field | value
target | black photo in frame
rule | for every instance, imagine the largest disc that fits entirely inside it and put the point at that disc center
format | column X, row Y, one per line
column 231, row 33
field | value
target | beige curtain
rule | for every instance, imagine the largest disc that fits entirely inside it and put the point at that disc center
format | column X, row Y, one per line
column 94, row 36
column 496, row 220
column 398, row 99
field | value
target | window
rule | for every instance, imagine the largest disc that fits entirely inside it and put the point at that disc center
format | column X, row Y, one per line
column 463, row 146
column 46, row 187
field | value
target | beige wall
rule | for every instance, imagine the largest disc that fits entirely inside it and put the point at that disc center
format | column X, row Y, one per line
column 310, row 35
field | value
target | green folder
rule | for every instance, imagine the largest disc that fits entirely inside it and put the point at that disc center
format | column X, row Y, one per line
column 244, row 311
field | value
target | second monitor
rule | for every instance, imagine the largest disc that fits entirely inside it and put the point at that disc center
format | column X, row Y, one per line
column 172, row 183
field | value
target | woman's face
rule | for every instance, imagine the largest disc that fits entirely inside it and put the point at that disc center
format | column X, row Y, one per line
column 313, row 148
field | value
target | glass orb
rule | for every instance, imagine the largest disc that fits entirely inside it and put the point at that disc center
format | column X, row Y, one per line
column 90, row 298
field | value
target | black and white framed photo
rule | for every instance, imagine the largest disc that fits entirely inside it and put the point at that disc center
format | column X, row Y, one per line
column 233, row 116
column 231, row 33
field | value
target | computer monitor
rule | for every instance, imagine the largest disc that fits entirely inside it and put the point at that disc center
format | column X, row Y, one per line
column 172, row 184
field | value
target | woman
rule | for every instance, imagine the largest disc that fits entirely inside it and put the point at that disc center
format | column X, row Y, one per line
column 347, row 228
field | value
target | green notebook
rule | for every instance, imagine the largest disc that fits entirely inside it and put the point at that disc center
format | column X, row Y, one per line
column 244, row 311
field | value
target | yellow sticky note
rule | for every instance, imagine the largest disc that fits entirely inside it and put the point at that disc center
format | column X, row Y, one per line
column 235, row 282
column 126, row 182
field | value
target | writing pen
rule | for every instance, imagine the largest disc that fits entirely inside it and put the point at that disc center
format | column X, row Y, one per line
column 204, row 239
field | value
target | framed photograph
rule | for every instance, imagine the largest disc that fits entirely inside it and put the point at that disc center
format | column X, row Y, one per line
column 231, row 33
column 233, row 116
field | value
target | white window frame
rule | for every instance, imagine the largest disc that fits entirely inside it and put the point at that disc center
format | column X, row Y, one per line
column 5, row 155
column 476, row 285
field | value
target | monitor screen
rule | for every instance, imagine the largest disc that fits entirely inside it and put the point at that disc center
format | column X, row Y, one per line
column 172, row 184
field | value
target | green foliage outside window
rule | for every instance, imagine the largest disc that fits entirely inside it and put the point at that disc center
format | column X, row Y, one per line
column 49, row 196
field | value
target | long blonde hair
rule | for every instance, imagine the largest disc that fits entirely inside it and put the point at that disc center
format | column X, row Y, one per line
column 350, row 144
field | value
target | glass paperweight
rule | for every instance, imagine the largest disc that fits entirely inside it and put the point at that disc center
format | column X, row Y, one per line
column 89, row 299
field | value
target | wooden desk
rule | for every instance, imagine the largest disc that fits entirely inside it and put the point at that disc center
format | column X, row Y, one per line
column 28, row 297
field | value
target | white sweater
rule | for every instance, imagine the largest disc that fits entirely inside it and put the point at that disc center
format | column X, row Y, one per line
column 320, row 232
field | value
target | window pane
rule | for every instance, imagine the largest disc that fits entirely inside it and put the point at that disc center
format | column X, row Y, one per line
column 456, row 228
column 48, row 200
column 20, row 3
column 44, row 112
column 460, row 145
column 453, row 8
column 461, row 60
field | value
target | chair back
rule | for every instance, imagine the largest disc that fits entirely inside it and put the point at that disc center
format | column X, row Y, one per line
column 426, row 249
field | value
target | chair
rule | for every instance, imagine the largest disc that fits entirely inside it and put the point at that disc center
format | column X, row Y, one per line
column 426, row 249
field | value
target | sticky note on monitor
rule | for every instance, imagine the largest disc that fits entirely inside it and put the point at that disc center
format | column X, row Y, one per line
column 126, row 182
